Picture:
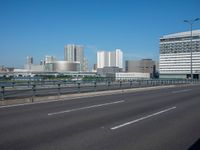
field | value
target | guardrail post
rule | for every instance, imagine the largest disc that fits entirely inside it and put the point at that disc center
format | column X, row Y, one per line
column 131, row 84
column 95, row 86
column 120, row 84
column 28, row 83
column 58, row 89
column 2, row 92
column 108, row 85
column 33, row 92
column 13, row 84
column 79, row 86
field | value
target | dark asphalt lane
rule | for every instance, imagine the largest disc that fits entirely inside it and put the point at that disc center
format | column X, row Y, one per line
column 88, row 121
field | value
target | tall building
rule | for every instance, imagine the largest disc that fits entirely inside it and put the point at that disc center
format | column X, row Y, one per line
column 85, row 65
column 119, row 58
column 49, row 59
column 48, row 63
column 102, row 59
column 29, row 66
column 3, row 69
column 74, row 53
column 141, row 66
column 29, row 60
column 94, row 68
column 110, row 59
column 175, row 56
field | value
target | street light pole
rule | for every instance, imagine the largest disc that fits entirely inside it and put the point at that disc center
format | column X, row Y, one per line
column 191, row 22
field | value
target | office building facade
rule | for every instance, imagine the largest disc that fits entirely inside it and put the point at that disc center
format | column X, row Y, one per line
column 141, row 66
column 85, row 65
column 74, row 53
column 49, row 59
column 175, row 55
column 126, row 76
column 29, row 60
column 65, row 66
column 110, row 59
column 108, row 71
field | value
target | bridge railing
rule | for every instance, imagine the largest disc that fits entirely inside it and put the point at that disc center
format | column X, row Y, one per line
column 32, row 89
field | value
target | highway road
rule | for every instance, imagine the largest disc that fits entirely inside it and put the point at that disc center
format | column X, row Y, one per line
column 162, row 119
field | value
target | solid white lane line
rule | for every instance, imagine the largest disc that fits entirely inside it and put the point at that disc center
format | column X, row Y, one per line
column 25, row 104
column 43, row 102
column 88, row 107
column 143, row 118
column 181, row 91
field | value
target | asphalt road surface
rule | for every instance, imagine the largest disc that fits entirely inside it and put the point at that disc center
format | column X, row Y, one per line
column 163, row 119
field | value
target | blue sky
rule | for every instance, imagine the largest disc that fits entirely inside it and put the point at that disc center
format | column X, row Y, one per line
column 42, row 27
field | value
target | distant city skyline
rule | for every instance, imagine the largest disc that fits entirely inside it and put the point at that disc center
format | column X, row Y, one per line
column 43, row 27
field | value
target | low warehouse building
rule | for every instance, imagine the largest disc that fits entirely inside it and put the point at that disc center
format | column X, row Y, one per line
column 131, row 75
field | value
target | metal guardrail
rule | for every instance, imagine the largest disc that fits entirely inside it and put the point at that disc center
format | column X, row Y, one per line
column 32, row 89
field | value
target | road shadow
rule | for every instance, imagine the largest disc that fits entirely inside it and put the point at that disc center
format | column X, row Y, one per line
column 196, row 145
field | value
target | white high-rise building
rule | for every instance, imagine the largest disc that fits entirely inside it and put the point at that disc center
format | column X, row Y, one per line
column 119, row 58
column 110, row 59
column 29, row 60
column 175, row 55
column 74, row 53
column 102, row 59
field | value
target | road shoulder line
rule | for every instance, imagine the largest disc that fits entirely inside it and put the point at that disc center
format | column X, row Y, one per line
column 142, row 118
column 83, row 108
